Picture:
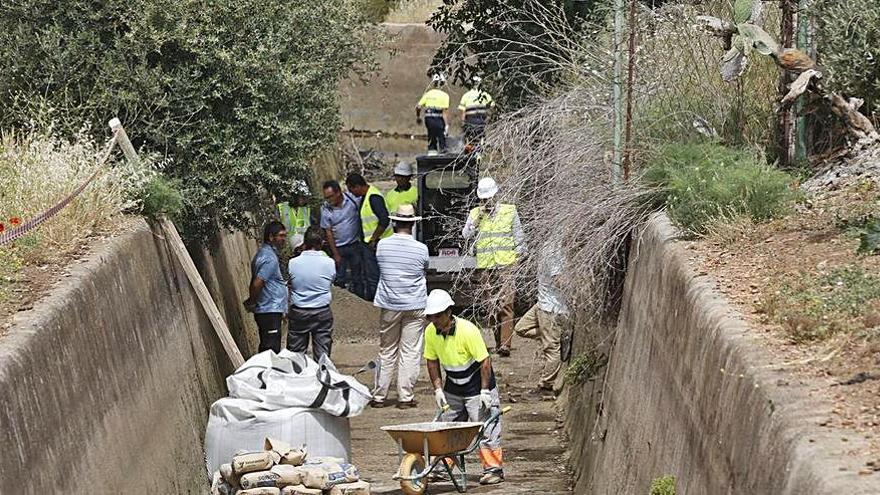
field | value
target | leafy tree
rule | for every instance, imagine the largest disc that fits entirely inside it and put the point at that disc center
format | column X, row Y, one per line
column 520, row 46
column 239, row 96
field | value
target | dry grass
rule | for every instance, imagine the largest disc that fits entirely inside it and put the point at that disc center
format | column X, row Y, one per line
column 36, row 171
column 413, row 11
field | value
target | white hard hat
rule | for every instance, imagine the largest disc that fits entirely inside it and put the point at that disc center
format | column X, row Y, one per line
column 301, row 187
column 438, row 301
column 440, row 78
column 476, row 79
column 487, row 188
column 403, row 168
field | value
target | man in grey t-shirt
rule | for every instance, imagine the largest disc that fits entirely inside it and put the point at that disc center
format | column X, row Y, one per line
column 401, row 295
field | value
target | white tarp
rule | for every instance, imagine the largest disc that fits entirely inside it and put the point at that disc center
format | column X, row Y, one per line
column 289, row 397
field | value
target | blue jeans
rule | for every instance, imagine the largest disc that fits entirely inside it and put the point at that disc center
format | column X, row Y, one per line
column 351, row 272
column 371, row 272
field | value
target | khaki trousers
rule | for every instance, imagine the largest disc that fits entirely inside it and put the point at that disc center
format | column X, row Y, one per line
column 400, row 350
column 544, row 326
column 500, row 318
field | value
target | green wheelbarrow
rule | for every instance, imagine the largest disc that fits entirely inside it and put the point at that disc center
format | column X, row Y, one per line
column 423, row 447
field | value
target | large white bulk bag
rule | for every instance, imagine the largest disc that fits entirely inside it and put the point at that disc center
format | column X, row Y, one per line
column 242, row 424
column 290, row 379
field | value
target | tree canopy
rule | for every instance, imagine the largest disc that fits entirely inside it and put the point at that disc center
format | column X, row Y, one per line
column 238, row 96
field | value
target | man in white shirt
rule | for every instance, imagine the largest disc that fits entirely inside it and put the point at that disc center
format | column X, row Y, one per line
column 311, row 277
column 542, row 321
column 401, row 296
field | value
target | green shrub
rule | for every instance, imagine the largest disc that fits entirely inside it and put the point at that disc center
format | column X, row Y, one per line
column 849, row 48
column 240, row 96
column 161, row 197
column 665, row 485
column 702, row 183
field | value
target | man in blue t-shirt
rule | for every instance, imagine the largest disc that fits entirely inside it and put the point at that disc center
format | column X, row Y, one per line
column 267, row 298
column 311, row 276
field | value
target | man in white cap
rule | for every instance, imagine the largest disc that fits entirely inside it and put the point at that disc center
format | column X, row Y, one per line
column 470, row 392
column 404, row 193
column 295, row 213
column 499, row 241
column 401, row 296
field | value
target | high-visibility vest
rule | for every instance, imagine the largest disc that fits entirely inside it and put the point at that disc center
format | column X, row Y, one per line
column 495, row 243
column 369, row 220
column 395, row 198
column 295, row 219
column 435, row 100
column 476, row 102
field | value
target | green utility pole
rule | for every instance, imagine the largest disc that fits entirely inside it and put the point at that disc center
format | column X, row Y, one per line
column 617, row 159
column 803, row 43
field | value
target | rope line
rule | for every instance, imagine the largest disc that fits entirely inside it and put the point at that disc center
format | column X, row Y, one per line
column 35, row 222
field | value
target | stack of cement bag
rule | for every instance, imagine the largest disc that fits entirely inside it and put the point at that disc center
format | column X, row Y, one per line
column 287, row 396
column 283, row 470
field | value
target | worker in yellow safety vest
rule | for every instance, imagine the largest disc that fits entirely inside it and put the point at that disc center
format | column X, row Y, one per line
column 475, row 106
column 405, row 193
column 295, row 213
column 436, row 104
column 498, row 243
column 374, row 222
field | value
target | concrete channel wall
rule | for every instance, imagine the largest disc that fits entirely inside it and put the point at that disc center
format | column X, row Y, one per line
column 688, row 394
column 105, row 384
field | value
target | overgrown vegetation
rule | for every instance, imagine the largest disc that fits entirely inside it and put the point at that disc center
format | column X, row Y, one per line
column 815, row 308
column 585, row 366
column 417, row 11
column 239, row 96
column 38, row 170
column 702, row 183
column 664, row 485
column 849, row 48
column 520, row 47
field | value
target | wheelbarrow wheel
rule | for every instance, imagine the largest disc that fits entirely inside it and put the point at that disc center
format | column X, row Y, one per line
column 412, row 465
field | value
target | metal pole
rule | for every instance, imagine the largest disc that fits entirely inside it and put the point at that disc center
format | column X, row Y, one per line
column 803, row 43
column 619, row 15
column 630, row 84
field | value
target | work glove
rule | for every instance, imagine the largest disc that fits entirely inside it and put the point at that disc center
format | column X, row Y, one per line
column 486, row 398
column 440, row 397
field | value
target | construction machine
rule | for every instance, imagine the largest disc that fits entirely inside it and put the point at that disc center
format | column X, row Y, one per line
column 447, row 185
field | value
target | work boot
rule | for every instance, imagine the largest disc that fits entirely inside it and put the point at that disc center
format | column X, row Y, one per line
column 407, row 404
column 503, row 352
column 492, row 478
column 378, row 404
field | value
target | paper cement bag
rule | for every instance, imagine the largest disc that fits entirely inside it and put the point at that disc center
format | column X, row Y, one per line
column 289, row 455
column 356, row 488
column 279, row 476
column 229, row 475
column 260, row 491
column 300, row 490
column 312, row 461
column 254, row 461
column 325, row 476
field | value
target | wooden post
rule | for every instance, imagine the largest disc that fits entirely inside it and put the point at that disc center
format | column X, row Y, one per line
column 189, row 267
column 630, row 85
column 198, row 285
